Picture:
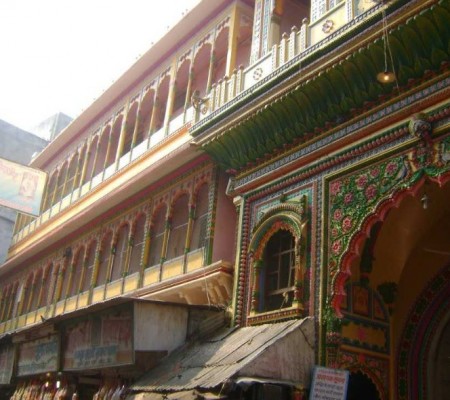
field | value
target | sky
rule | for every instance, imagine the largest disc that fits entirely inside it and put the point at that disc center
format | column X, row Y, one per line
column 59, row 55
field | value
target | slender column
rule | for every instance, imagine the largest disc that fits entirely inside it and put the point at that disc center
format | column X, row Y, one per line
column 123, row 131
column 138, row 122
column 20, row 307
column 83, row 269
column 298, row 274
column 190, row 227
column 155, row 109
column 166, row 238
column 171, row 96
column 31, row 294
column 63, row 189
column 108, row 149
column 232, row 41
column 85, row 164
column 45, row 201
column 146, row 254
column 10, row 303
column 95, row 156
column 187, row 101
column 212, row 62
column 41, row 290
column 257, row 267
column 19, row 222
column 59, row 282
column 3, row 302
column 70, row 278
column 111, row 260
column 55, row 190
column 75, row 176
column 95, row 270
column 2, row 306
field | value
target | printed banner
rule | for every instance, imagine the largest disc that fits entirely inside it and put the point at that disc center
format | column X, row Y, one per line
column 6, row 364
column 21, row 187
column 101, row 340
column 329, row 384
column 38, row 356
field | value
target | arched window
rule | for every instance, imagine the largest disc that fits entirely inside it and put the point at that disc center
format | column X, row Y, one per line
column 27, row 294
column 102, row 150
column 50, row 191
column 57, row 269
column 7, row 302
column 138, row 244
column 37, row 290
column 47, row 283
column 279, row 271
column 145, row 115
column 77, row 268
column 163, row 95
column 105, row 256
column 199, row 231
column 92, row 150
column 89, row 267
column 129, row 128
column 277, row 250
column 157, row 236
column 66, row 274
column 120, row 255
column 68, row 187
column 179, row 223
column 79, row 172
column 181, row 83
column 60, row 184
column 202, row 61
column 114, row 141
column 14, row 301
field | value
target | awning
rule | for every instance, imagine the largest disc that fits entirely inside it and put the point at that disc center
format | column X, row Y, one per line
column 282, row 351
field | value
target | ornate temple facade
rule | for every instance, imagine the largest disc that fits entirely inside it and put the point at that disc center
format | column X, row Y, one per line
column 278, row 166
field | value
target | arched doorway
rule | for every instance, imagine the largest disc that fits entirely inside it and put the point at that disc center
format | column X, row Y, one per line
column 407, row 197
column 360, row 386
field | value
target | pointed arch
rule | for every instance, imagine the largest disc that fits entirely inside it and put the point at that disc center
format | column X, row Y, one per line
column 89, row 264
column 76, row 273
column 275, row 248
column 105, row 254
column 201, row 203
column 138, row 242
column 121, row 246
column 157, row 231
column 179, row 218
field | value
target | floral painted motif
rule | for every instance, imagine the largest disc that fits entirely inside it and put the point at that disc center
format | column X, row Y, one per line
column 353, row 199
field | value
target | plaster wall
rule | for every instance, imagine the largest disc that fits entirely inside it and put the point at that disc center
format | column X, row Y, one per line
column 224, row 233
column 159, row 327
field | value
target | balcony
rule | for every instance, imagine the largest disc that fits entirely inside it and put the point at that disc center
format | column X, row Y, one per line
column 295, row 47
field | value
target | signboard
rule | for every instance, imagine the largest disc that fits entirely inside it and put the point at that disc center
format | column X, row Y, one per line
column 21, row 187
column 6, row 364
column 38, row 356
column 101, row 340
column 329, row 384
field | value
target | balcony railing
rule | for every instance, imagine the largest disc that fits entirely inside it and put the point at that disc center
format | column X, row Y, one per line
column 295, row 46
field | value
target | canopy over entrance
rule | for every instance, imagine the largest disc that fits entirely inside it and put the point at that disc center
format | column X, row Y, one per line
column 282, row 352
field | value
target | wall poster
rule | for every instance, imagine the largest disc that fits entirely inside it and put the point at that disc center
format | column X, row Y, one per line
column 100, row 340
column 38, row 356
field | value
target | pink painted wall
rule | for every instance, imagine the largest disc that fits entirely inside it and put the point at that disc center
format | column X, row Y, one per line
column 224, row 245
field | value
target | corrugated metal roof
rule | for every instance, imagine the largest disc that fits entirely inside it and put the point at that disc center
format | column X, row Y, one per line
column 208, row 364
